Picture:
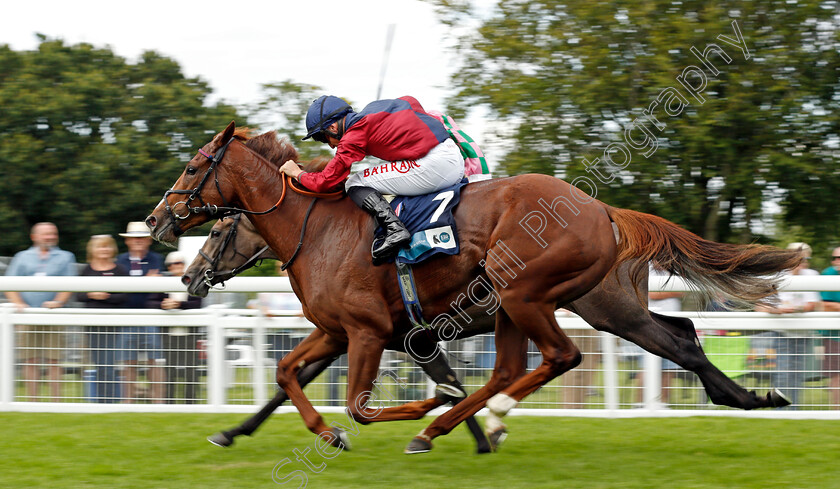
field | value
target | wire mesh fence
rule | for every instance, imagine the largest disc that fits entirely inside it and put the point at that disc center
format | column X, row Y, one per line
column 219, row 358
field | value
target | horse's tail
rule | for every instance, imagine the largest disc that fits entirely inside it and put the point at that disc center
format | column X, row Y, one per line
column 743, row 275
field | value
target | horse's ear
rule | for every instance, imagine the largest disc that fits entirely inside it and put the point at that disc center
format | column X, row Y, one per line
column 228, row 132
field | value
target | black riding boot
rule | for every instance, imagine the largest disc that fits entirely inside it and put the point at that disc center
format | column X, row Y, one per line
column 396, row 235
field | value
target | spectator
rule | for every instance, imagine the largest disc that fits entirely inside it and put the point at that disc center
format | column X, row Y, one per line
column 634, row 355
column 486, row 355
column 103, row 342
column 831, row 338
column 139, row 262
column 41, row 345
column 180, row 344
column 790, row 347
column 665, row 302
column 578, row 383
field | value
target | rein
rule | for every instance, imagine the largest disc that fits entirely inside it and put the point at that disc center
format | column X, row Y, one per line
column 288, row 263
column 226, row 210
column 196, row 192
column 213, row 210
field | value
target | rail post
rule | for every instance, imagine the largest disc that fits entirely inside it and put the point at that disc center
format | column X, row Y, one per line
column 7, row 355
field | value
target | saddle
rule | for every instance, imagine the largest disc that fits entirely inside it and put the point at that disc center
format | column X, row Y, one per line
column 430, row 220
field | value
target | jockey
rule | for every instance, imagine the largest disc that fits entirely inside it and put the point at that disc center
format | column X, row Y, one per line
column 420, row 157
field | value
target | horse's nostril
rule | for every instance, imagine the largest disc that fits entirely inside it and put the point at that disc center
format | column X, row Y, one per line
column 186, row 280
column 151, row 221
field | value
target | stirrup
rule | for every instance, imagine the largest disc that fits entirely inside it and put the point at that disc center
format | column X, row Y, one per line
column 382, row 256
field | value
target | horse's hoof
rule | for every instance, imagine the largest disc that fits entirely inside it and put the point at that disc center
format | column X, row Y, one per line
column 340, row 439
column 220, row 440
column 449, row 393
column 484, row 448
column 777, row 399
column 497, row 438
column 418, row 445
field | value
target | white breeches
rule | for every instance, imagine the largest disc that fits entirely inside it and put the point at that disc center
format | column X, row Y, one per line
column 442, row 167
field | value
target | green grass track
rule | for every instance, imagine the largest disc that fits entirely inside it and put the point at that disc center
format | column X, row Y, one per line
column 169, row 451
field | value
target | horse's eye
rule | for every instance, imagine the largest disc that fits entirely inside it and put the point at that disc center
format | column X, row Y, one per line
column 215, row 234
column 191, row 170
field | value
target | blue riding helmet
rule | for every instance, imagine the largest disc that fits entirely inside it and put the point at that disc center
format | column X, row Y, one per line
column 325, row 110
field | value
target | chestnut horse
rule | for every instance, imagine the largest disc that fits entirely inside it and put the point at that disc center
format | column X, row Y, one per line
column 234, row 245
column 536, row 254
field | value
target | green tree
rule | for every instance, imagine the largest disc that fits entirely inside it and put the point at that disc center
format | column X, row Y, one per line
column 91, row 141
column 564, row 79
column 282, row 108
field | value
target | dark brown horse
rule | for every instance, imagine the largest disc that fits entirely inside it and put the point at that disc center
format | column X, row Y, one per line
column 234, row 245
column 533, row 242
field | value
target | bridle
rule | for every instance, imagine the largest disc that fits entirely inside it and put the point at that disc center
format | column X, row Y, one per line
column 213, row 211
column 229, row 239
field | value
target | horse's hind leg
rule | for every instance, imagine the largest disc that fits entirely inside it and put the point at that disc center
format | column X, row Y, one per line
column 437, row 369
column 614, row 307
column 364, row 352
column 441, row 373
column 661, row 336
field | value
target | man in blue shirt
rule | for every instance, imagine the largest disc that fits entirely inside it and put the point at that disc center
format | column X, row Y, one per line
column 41, row 345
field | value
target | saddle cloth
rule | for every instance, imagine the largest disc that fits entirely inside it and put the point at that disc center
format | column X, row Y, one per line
column 430, row 220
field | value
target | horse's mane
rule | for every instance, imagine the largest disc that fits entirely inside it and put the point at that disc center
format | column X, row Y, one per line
column 317, row 164
column 275, row 150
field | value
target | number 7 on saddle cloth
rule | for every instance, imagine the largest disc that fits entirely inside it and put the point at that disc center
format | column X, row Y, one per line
column 430, row 220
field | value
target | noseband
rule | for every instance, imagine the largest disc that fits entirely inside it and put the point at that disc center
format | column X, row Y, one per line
column 196, row 192
column 213, row 211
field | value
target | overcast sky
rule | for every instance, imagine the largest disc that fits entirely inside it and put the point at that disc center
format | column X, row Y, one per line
column 237, row 46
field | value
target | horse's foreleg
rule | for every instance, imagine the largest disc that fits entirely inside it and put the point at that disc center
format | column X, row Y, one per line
column 304, row 376
column 511, row 352
column 364, row 353
column 315, row 347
